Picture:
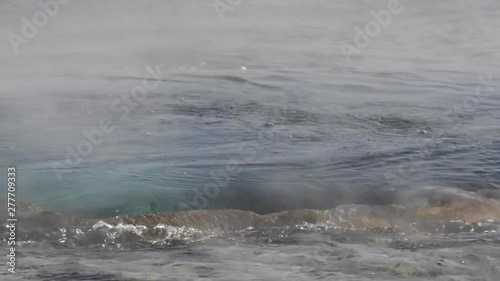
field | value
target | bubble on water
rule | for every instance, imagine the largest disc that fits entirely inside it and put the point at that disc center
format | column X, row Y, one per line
column 101, row 224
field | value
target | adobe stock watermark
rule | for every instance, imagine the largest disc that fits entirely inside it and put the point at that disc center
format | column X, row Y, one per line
column 469, row 104
column 248, row 150
column 328, row 253
column 221, row 178
column 31, row 27
column 223, row 6
column 372, row 29
column 94, row 137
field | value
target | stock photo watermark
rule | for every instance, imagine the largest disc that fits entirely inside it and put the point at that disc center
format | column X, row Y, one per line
column 221, row 178
column 94, row 137
column 329, row 253
column 31, row 26
column 223, row 6
column 363, row 37
column 11, row 218
column 470, row 104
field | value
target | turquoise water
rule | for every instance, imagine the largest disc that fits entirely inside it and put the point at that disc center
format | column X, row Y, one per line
column 291, row 142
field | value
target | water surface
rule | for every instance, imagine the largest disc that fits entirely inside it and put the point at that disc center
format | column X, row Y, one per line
column 261, row 112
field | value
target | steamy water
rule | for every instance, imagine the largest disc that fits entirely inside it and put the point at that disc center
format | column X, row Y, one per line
column 292, row 148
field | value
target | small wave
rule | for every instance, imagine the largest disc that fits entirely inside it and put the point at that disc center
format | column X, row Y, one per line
column 234, row 79
column 426, row 210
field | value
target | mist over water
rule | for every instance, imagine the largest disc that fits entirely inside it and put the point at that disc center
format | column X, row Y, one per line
column 258, row 110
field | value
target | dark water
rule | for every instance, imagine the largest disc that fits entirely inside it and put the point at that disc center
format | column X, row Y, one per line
column 263, row 141
column 259, row 111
